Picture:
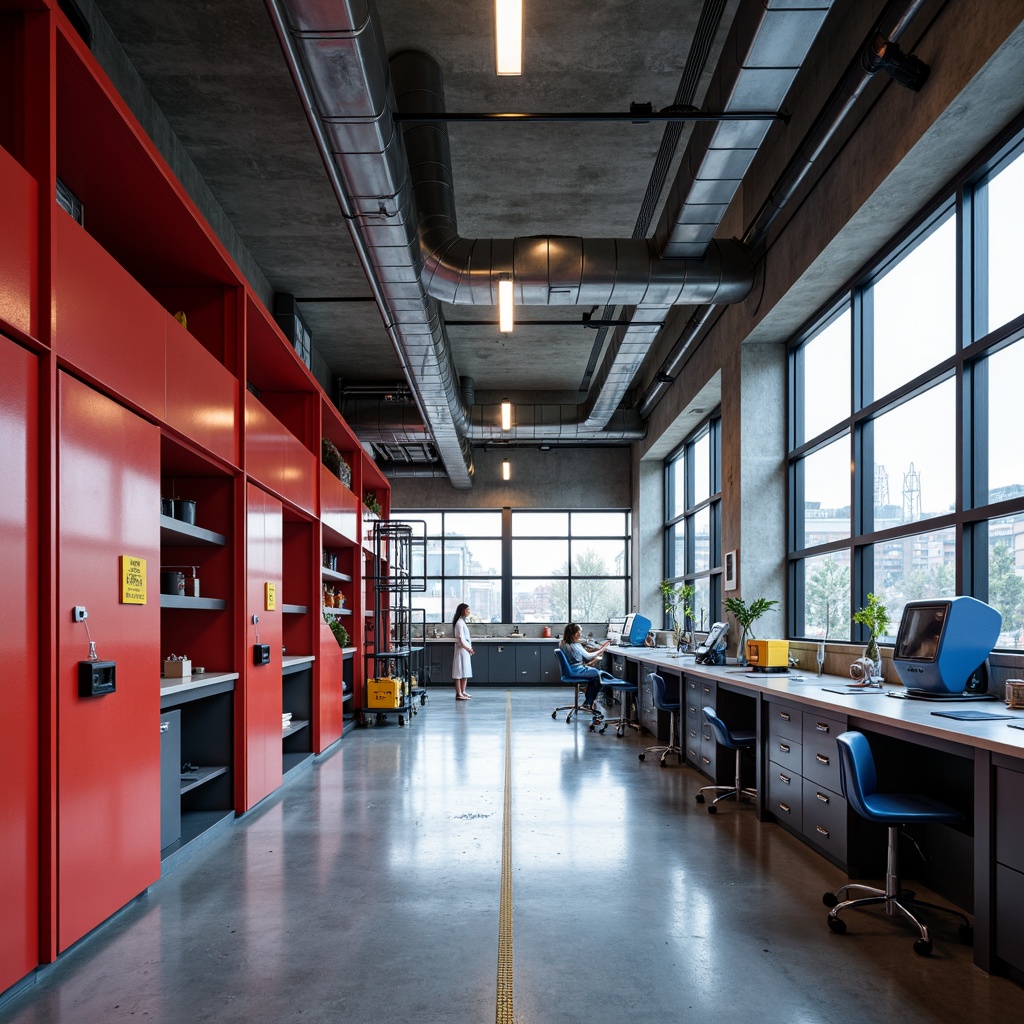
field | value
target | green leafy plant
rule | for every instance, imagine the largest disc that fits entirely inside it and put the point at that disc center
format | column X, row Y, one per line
column 371, row 502
column 677, row 598
column 330, row 456
column 875, row 618
column 339, row 631
column 746, row 615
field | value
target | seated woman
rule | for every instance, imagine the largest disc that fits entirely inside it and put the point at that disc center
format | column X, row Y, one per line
column 583, row 662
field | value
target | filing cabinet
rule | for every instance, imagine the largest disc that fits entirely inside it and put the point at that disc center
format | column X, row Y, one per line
column 699, row 746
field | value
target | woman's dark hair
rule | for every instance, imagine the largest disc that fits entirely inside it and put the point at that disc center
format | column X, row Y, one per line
column 459, row 612
column 570, row 632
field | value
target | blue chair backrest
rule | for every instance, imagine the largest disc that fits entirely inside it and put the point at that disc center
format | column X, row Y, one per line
column 563, row 667
column 719, row 728
column 857, row 777
column 661, row 698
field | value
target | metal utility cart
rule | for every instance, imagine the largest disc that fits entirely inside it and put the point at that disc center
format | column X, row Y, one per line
column 395, row 651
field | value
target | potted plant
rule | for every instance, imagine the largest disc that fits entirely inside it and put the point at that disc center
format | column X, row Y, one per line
column 330, row 456
column 677, row 598
column 371, row 502
column 875, row 618
column 339, row 631
column 746, row 615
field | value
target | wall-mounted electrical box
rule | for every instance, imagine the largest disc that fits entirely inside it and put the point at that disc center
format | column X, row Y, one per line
column 261, row 654
column 96, row 678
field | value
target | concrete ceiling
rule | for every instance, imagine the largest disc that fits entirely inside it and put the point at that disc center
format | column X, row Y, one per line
column 217, row 72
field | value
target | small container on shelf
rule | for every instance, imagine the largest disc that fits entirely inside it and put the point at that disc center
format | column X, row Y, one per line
column 177, row 668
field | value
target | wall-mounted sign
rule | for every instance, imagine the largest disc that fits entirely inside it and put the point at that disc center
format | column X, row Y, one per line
column 269, row 596
column 133, row 580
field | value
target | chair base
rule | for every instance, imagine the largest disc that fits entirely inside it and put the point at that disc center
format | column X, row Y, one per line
column 727, row 793
column 672, row 747
column 625, row 718
column 575, row 708
column 895, row 900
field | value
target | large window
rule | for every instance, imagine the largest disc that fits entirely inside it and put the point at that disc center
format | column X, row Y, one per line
column 512, row 565
column 693, row 519
column 905, row 466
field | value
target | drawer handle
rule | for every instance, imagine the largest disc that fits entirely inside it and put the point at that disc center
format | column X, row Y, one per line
column 821, row 726
column 824, row 831
column 706, row 760
column 784, row 747
column 785, row 716
column 691, row 711
column 786, row 808
column 822, row 797
column 785, row 778
column 165, row 726
column 693, row 734
column 821, row 759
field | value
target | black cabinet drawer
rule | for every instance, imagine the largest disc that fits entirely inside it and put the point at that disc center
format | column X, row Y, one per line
column 1009, row 818
column 821, row 755
column 785, row 723
column 1009, row 911
column 825, row 819
column 787, row 753
column 785, row 796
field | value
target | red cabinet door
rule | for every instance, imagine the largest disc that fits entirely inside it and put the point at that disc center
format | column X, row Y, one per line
column 19, row 682
column 108, row 763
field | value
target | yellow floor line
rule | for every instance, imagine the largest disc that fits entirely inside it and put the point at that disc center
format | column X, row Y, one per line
column 503, row 1012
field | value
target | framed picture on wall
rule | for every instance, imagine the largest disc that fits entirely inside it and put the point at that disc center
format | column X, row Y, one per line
column 731, row 573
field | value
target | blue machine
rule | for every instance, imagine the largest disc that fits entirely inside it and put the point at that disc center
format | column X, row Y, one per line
column 635, row 630
column 942, row 643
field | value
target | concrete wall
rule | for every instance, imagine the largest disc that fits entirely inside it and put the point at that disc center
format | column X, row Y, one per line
column 581, row 478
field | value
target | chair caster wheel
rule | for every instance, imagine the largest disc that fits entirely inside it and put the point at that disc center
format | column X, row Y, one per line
column 641, row 756
column 592, row 727
column 966, row 933
column 830, row 900
column 568, row 718
column 712, row 809
column 923, row 947
column 836, row 925
column 601, row 730
column 700, row 798
column 661, row 763
column 554, row 714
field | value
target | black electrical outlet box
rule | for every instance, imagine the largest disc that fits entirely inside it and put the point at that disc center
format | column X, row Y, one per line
column 261, row 654
column 96, row 678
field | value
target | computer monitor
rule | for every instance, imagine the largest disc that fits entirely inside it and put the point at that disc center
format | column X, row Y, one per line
column 941, row 643
column 635, row 630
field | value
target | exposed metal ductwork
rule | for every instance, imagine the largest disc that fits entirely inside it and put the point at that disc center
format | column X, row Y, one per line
column 890, row 27
column 401, row 214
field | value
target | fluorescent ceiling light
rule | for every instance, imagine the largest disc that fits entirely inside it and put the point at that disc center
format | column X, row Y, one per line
column 505, row 319
column 506, row 415
column 506, row 470
column 508, row 36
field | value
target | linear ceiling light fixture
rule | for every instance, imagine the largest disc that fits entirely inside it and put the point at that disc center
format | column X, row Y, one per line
column 506, row 470
column 505, row 318
column 508, row 36
column 506, row 414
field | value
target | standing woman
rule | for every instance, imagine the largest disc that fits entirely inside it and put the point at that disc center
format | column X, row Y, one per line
column 462, row 664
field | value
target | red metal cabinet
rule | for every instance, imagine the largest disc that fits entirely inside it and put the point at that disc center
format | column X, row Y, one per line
column 260, row 704
column 19, row 696
column 108, row 747
column 19, row 245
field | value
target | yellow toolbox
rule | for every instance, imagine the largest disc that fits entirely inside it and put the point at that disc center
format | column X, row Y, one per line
column 768, row 655
column 384, row 692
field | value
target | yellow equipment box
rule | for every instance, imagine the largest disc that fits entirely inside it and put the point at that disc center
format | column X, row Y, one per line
column 768, row 655
column 384, row 693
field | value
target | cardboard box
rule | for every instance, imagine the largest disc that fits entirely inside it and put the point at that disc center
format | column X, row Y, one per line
column 384, row 692
column 177, row 669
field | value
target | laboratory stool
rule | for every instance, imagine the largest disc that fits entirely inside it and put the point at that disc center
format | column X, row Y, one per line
column 662, row 703
column 858, row 780
column 738, row 741
column 578, row 683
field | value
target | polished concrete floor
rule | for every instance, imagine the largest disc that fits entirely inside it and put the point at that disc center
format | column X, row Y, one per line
column 369, row 889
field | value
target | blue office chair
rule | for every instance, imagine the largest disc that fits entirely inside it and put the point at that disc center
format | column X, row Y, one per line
column 858, row 781
column 663, row 702
column 738, row 741
column 578, row 683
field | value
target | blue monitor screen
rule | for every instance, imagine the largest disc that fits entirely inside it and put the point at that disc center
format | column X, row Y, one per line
column 635, row 630
column 941, row 643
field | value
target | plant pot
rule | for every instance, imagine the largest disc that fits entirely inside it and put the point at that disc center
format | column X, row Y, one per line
column 185, row 511
column 167, row 507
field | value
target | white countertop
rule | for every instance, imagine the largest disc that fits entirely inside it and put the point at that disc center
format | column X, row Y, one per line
column 496, row 639
column 867, row 706
column 171, row 688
